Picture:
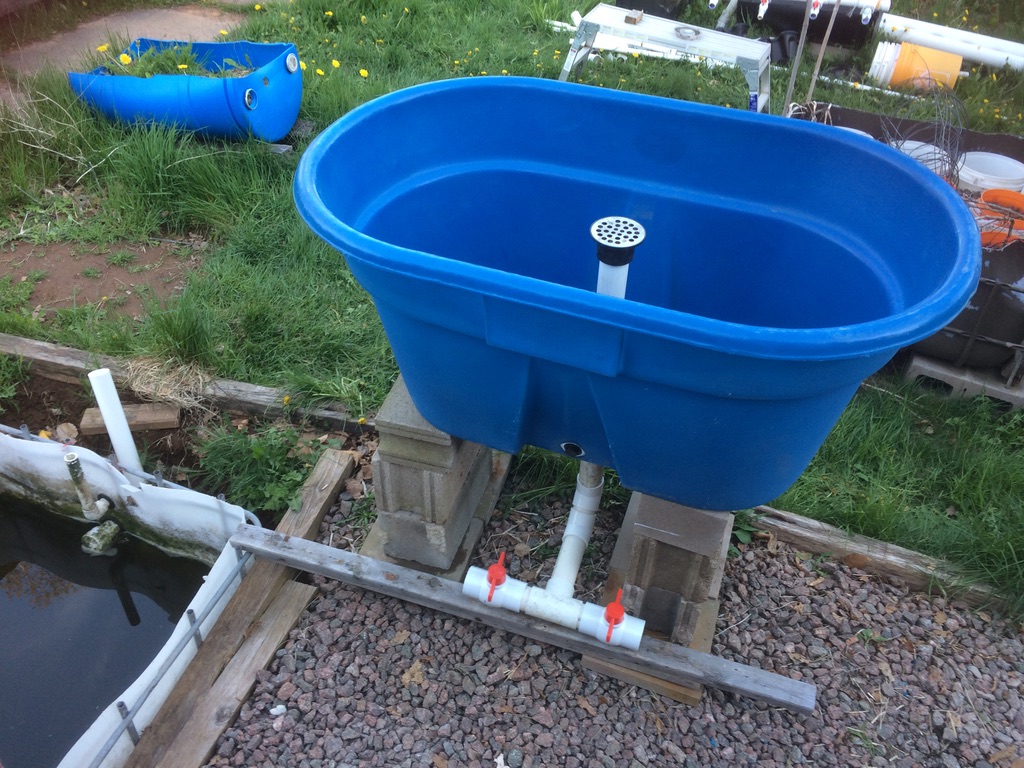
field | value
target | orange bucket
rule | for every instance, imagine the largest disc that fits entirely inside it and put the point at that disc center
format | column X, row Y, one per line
column 921, row 66
column 997, row 214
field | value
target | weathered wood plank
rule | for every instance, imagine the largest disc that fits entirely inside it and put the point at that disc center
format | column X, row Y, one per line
column 67, row 364
column 258, row 588
column 918, row 571
column 217, row 709
column 141, row 417
column 663, row 660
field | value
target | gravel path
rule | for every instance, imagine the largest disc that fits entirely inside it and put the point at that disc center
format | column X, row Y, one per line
column 903, row 679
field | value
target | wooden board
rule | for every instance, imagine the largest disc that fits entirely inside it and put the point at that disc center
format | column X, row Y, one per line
column 67, row 364
column 656, row 657
column 918, row 571
column 141, row 417
column 219, row 706
column 258, row 589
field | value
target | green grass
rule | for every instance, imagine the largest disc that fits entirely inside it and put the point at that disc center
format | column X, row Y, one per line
column 13, row 374
column 271, row 304
column 936, row 475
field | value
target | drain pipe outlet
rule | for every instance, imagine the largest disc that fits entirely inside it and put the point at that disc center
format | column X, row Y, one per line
column 114, row 419
column 92, row 507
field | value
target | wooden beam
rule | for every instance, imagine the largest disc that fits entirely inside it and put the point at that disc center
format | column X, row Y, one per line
column 141, row 417
column 920, row 572
column 67, row 364
column 655, row 657
column 219, row 707
column 258, row 589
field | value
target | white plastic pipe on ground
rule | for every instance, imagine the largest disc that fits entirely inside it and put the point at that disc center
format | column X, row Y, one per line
column 113, row 417
column 981, row 49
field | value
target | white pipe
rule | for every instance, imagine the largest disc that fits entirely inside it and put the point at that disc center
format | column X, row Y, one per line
column 579, row 526
column 980, row 49
column 589, row 618
column 114, row 419
column 611, row 281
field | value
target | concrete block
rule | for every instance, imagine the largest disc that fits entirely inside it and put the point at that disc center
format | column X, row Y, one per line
column 433, row 494
column 407, row 438
column 678, row 549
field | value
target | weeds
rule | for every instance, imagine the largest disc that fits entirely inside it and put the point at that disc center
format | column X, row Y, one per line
column 13, row 373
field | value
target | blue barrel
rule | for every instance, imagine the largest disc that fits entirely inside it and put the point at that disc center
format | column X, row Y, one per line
column 783, row 263
column 263, row 103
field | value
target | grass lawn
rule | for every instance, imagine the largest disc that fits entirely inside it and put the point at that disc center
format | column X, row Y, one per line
column 271, row 304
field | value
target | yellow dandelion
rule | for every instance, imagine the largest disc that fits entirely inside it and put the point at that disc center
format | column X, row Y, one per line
column 319, row 71
column 328, row 13
column 363, row 73
column 379, row 41
column 103, row 48
column 335, row 63
column 125, row 59
column 362, row 419
column 405, row 10
column 457, row 62
column 504, row 71
column 286, row 399
column 483, row 71
column 536, row 52
column 257, row 7
column 224, row 32
column 183, row 66
column 362, row 19
column 302, row 66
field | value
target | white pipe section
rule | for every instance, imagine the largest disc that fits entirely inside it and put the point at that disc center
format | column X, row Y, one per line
column 588, row 618
column 114, row 419
column 980, row 49
column 611, row 281
column 579, row 526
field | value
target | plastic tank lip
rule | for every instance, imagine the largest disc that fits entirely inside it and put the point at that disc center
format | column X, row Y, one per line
column 884, row 335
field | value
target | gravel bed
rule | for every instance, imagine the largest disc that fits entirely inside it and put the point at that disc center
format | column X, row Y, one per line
column 903, row 679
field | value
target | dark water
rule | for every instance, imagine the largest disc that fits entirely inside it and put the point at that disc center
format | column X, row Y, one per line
column 75, row 630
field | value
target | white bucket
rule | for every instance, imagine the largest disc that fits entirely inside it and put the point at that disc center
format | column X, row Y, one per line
column 987, row 170
column 930, row 156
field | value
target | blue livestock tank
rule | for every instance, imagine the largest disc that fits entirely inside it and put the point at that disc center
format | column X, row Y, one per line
column 262, row 103
column 783, row 263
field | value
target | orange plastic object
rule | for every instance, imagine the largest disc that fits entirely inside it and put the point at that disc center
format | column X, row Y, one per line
column 496, row 575
column 614, row 613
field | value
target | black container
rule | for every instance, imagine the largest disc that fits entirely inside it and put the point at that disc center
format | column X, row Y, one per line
column 788, row 15
column 667, row 9
column 986, row 333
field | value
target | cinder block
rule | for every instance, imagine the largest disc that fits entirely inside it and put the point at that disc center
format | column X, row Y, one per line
column 407, row 438
column 677, row 548
column 433, row 494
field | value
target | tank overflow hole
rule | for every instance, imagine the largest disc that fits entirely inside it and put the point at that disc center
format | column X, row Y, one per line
column 572, row 450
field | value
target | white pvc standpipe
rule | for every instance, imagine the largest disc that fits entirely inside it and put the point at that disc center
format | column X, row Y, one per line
column 114, row 419
column 579, row 526
column 980, row 49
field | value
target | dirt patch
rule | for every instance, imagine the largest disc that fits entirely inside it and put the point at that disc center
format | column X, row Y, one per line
column 44, row 404
column 121, row 276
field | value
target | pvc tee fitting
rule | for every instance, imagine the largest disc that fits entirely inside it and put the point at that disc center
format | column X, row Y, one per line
column 603, row 623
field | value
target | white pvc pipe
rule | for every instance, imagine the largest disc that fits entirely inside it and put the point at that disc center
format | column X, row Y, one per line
column 579, row 526
column 588, row 618
column 114, row 419
column 611, row 281
column 980, row 49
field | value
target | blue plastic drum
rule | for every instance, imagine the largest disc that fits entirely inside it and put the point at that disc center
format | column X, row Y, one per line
column 783, row 263
column 263, row 103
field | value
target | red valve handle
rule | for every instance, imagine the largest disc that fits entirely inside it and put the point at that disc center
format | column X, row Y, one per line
column 496, row 575
column 614, row 613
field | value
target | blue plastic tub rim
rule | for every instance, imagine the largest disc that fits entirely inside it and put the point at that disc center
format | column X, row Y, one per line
column 883, row 335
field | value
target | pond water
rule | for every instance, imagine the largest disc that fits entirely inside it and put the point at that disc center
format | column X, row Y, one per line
column 75, row 630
